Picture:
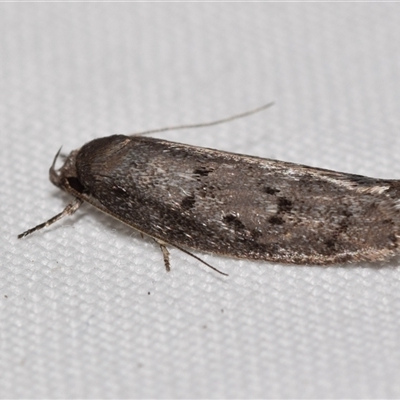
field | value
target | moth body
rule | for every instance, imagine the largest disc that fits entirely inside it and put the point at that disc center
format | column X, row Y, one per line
column 232, row 204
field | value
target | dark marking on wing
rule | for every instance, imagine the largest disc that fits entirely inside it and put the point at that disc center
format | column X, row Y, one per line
column 271, row 190
column 234, row 222
column 188, row 202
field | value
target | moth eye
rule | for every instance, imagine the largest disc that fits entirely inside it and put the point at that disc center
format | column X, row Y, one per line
column 75, row 184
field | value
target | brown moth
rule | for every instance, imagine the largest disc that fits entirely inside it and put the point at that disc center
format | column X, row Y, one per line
column 231, row 204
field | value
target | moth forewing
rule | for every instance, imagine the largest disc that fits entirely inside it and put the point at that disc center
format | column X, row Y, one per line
column 232, row 204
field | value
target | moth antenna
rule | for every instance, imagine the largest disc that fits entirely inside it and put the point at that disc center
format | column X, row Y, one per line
column 54, row 178
column 204, row 124
column 55, row 158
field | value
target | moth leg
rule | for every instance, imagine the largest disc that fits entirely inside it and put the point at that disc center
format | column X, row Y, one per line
column 69, row 210
column 165, row 253
column 166, row 256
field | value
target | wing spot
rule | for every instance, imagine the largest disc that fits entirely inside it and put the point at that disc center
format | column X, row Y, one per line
column 188, row 202
column 234, row 222
column 271, row 190
column 284, row 205
column 330, row 244
column 275, row 220
column 203, row 171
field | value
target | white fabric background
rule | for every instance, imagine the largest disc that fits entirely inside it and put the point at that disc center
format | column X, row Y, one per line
column 86, row 307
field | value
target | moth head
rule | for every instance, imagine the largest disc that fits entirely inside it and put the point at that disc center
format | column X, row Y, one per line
column 63, row 176
column 81, row 166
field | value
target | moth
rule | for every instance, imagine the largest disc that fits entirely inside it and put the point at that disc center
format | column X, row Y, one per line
column 232, row 204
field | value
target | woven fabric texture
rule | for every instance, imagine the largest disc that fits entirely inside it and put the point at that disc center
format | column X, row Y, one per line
column 87, row 309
